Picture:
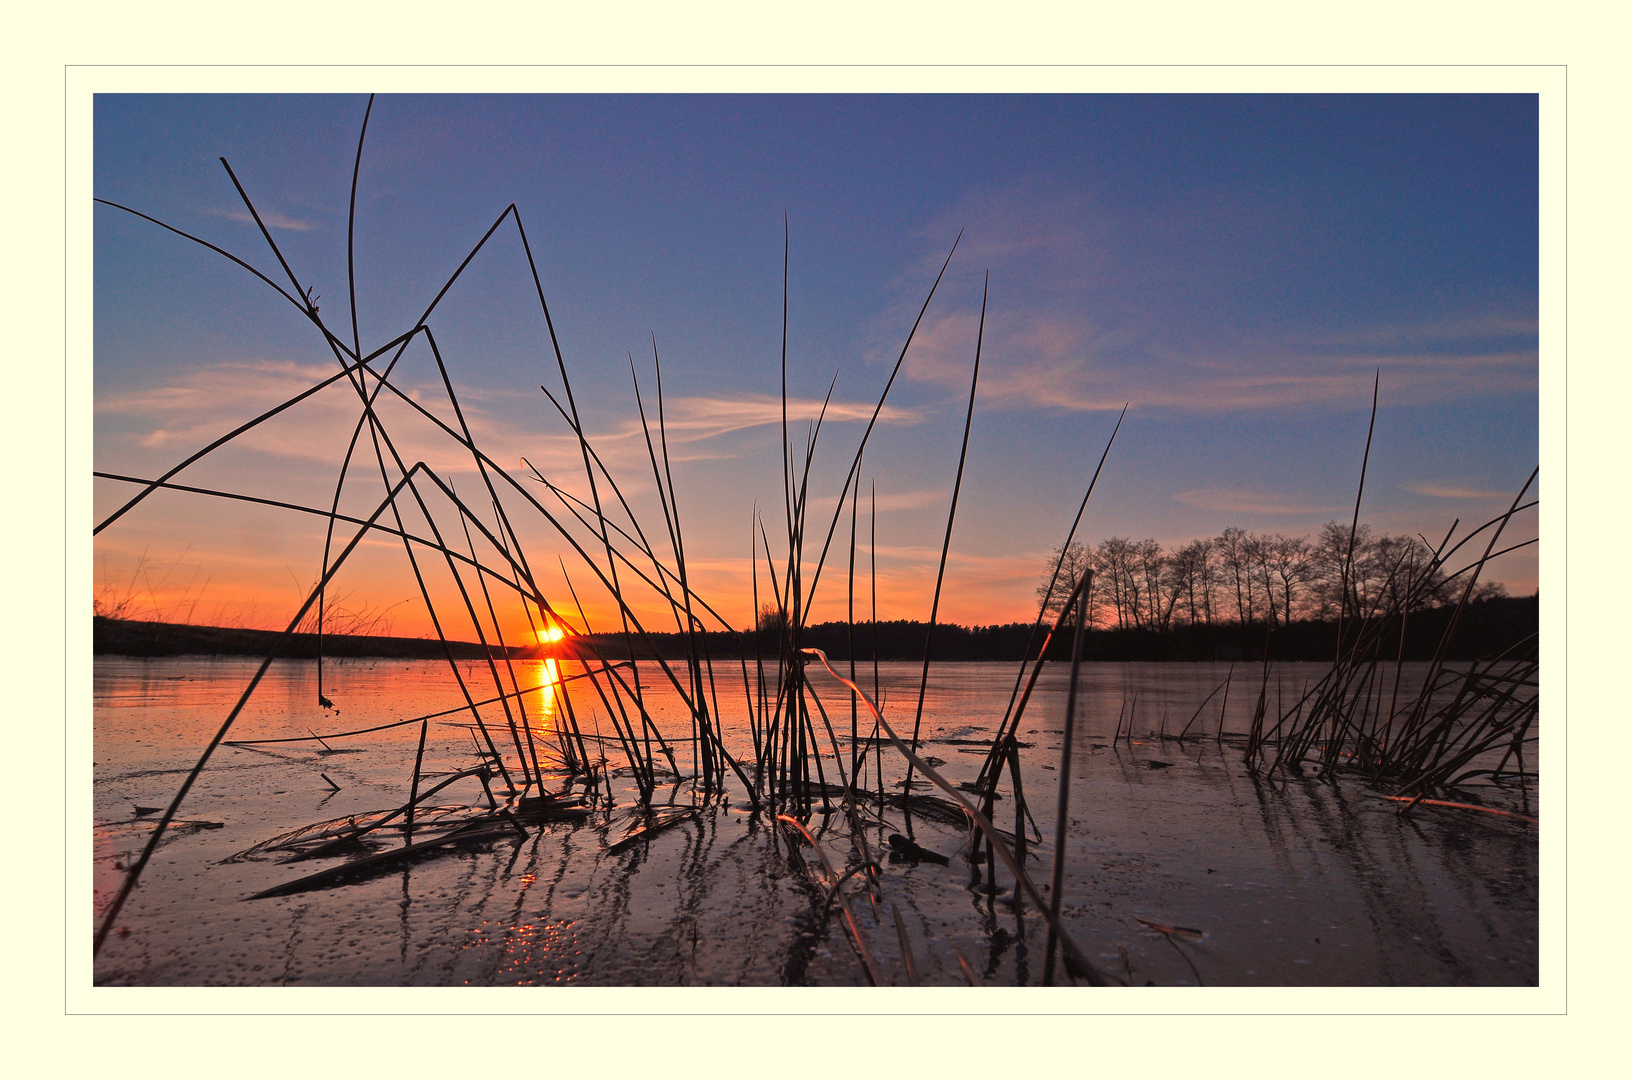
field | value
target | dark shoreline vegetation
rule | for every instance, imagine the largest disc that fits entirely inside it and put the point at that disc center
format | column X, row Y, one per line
column 833, row 793
column 1492, row 626
column 125, row 637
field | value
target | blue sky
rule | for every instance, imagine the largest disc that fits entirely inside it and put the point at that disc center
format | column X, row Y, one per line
column 1236, row 268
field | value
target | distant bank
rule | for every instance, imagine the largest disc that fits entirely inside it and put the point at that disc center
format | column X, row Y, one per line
column 125, row 638
column 1487, row 628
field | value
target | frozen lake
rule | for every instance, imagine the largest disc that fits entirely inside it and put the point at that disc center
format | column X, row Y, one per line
column 1291, row 882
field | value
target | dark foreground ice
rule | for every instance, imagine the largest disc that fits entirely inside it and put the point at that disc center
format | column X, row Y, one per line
column 1294, row 882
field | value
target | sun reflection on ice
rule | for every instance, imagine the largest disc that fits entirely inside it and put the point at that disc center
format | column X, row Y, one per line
column 549, row 677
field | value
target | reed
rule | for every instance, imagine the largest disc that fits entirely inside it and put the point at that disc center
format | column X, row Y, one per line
column 1062, row 815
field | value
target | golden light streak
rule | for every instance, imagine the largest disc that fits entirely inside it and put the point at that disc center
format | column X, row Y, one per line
column 551, row 672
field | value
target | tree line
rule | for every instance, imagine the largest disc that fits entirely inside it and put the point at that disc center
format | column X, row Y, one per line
column 1246, row 579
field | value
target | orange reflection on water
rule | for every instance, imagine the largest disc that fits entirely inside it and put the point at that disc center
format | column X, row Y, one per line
column 547, row 677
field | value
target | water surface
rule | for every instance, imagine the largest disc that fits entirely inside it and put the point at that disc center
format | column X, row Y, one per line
column 1294, row 882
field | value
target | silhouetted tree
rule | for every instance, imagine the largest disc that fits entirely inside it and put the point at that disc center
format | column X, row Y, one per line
column 1288, row 559
column 1115, row 561
column 1190, row 573
column 1276, row 579
column 1236, row 558
column 1073, row 561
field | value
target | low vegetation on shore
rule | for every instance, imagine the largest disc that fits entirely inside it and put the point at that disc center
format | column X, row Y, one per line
column 1488, row 627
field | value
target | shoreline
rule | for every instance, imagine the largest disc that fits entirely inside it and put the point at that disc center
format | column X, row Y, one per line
column 1487, row 628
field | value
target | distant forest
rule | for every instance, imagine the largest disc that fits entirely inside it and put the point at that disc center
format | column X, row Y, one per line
column 1489, row 626
column 1236, row 596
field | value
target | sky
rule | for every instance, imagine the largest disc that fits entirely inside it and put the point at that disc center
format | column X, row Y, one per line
column 1234, row 269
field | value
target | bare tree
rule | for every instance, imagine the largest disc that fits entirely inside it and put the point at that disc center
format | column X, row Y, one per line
column 1256, row 550
column 1188, row 576
column 1288, row 558
column 1206, row 566
column 1073, row 560
column 1149, row 561
column 1118, row 564
column 1174, row 585
column 1328, row 567
column 1235, row 556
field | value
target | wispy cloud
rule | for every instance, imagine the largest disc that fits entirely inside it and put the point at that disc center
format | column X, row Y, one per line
column 213, row 399
column 1091, row 309
column 1449, row 331
column 690, row 419
column 274, row 219
column 202, row 389
column 889, row 502
column 1067, row 363
column 1247, row 501
column 144, row 431
column 1448, row 491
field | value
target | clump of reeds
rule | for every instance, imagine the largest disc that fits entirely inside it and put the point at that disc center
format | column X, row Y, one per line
column 1356, row 720
column 488, row 569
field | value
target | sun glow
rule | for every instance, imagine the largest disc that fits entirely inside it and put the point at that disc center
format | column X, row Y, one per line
column 548, row 686
column 550, row 683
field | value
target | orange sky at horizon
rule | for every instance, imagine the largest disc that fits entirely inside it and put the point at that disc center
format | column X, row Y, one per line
column 976, row 592
column 377, row 593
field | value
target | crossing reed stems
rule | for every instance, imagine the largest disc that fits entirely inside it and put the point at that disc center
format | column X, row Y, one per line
column 1056, row 894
